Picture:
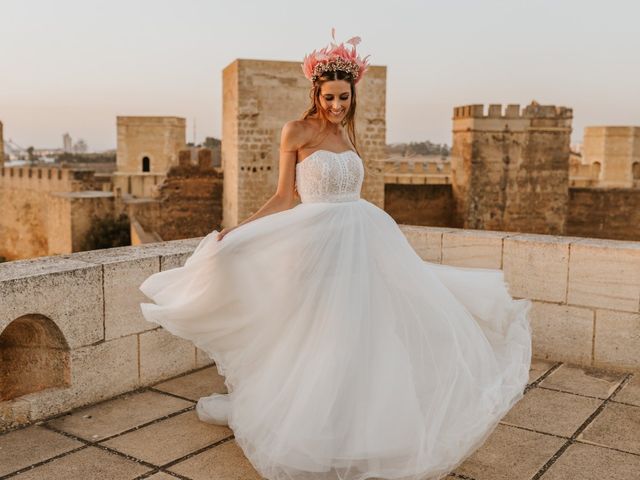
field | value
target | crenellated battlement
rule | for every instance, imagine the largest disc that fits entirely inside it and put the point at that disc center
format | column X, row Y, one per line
column 46, row 178
column 511, row 111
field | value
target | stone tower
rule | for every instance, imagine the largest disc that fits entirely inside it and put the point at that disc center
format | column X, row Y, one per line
column 617, row 151
column 510, row 169
column 259, row 97
column 149, row 144
column 1, row 147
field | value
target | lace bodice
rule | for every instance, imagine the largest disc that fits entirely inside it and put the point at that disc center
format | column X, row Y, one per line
column 326, row 176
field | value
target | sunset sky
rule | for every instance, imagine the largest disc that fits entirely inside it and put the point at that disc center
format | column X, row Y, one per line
column 74, row 65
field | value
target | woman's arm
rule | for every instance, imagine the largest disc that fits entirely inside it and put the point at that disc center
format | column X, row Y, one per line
column 284, row 198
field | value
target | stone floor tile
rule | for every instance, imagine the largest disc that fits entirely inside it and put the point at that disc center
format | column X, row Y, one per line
column 24, row 447
column 552, row 412
column 223, row 462
column 89, row 463
column 195, row 385
column 538, row 368
column 588, row 462
column 161, row 476
column 583, row 381
column 617, row 426
column 115, row 416
column 630, row 393
column 527, row 453
column 170, row 439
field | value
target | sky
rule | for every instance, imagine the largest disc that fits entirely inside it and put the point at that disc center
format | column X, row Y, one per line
column 74, row 65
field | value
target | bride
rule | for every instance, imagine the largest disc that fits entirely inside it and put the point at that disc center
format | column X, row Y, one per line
column 346, row 356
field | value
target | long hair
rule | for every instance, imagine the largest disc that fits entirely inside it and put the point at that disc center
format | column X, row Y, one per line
column 348, row 121
column 315, row 108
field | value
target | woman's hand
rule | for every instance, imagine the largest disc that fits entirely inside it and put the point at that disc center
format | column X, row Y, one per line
column 224, row 231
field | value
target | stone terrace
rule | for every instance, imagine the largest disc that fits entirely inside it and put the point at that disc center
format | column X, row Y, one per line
column 78, row 315
column 573, row 423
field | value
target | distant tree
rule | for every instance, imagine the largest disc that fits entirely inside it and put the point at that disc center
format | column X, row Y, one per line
column 31, row 156
column 108, row 232
column 418, row 148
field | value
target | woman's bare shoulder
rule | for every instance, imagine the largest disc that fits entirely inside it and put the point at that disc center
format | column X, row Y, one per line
column 296, row 133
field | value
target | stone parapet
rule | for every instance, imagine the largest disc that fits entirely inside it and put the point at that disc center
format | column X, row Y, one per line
column 75, row 319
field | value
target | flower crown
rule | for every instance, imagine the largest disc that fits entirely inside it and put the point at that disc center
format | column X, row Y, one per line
column 335, row 57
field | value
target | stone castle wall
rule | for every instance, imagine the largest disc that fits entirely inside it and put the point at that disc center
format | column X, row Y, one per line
column 431, row 205
column 604, row 213
column 188, row 203
column 259, row 97
column 34, row 221
column 510, row 169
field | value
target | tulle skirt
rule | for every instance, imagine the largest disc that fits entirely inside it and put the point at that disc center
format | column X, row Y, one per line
column 345, row 354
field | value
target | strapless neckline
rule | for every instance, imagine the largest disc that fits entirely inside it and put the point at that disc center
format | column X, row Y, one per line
column 322, row 150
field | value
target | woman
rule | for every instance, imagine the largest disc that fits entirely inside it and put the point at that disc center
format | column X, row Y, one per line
column 346, row 356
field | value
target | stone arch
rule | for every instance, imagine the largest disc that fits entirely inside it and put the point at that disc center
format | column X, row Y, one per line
column 635, row 170
column 146, row 164
column 597, row 168
column 34, row 355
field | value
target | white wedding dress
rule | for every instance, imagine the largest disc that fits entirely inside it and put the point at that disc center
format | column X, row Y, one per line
column 347, row 356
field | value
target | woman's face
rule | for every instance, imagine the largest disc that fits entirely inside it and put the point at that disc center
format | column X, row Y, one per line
column 335, row 99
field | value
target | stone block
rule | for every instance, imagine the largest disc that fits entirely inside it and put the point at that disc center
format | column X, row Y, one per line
column 586, row 381
column 163, row 355
column 538, row 368
column 22, row 448
column 66, row 291
column 562, row 332
column 548, row 411
column 195, row 385
column 222, row 461
column 125, row 268
column 536, row 266
column 202, row 358
column 88, row 463
column 510, row 453
column 168, row 440
column 605, row 273
column 616, row 427
column 473, row 248
column 118, row 415
column 630, row 392
column 426, row 241
column 617, row 340
column 98, row 372
column 589, row 462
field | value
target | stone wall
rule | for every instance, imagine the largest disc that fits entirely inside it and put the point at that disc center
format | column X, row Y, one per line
column 156, row 139
column 188, row 203
column 31, row 216
column 510, row 169
column 585, row 293
column 604, row 213
column 259, row 97
column 428, row 205
column 79, row 317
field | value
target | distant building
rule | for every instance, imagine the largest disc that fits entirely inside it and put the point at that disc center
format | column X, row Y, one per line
column 67, row 143
column 614, row 154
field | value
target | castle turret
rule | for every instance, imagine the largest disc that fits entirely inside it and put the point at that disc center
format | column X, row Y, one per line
column 510, row 167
